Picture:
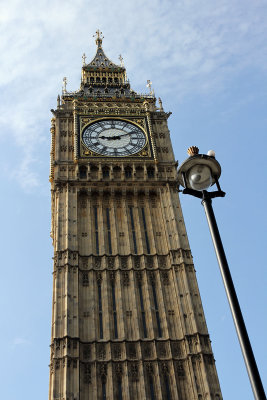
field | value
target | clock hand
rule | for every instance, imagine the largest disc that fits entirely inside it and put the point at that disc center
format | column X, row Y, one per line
column 110, row 137
column 114, row 137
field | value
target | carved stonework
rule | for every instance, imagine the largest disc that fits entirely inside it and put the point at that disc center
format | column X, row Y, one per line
column 116, row 351
column 131, row 350
column 99, row 278
column 164, row 368
column 112, row 277
column 139, row 276
column 124, row 262
column 125, row 278
column 162, row 262
column 165, row 277
column 137, row 262
column 147, row 350
column 85, row 279
column 97, row 262
column 149, row 368
column 102, row 371
column 111, row 262
column 87, row 373
column 134, row 372
column 161, row 350
column 149, row 262
column 180, row 369
column 86, row 351
column 118, row 371
column 101, row 351
column 177, row 351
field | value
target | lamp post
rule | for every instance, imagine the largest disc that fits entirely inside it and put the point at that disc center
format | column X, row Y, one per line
column 196, row 175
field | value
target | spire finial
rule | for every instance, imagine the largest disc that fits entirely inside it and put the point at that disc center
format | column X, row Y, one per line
column 99, row 36
column 83, row 58
column 64, row 88
column 121, row 60
column 149, row 85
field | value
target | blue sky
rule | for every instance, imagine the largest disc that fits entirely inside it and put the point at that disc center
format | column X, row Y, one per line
column 208, row 62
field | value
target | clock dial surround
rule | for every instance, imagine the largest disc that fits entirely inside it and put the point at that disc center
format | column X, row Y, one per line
column 114, row 138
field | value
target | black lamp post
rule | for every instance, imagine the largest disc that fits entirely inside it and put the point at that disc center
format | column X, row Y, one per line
column 196, row 175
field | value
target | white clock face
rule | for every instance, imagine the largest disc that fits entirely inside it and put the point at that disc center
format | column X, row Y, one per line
column 114, row 138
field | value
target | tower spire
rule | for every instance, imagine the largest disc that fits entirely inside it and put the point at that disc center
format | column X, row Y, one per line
column 99, row 37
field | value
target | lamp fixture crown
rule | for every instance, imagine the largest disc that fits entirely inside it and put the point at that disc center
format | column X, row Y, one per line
column 192, row 151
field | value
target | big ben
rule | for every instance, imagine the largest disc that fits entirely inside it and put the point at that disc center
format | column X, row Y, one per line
column 127, row 317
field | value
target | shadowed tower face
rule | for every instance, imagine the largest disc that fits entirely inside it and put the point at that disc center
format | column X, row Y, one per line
column 127, row 320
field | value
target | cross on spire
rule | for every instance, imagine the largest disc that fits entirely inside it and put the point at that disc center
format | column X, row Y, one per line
column 99, row 36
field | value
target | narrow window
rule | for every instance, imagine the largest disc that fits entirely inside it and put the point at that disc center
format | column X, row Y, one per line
column 105, row 172
column 150, row 172
column 142, row 309
column 128, row 173
column 145, row 230
column 83, row 172
column 114, row 311
column 100, row 311
column 133, row 229
column 104, row 396
column 96, row 231
column 119, row 390
column 156, row 309
column 151, row 388
column 167, row 387
column 109, row 231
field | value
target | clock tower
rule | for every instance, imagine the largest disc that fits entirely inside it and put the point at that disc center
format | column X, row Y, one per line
column 127, row 318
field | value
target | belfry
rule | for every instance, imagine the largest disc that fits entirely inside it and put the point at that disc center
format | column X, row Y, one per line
column 127, row 318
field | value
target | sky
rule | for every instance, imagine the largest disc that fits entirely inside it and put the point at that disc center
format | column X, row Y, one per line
column 207, row 60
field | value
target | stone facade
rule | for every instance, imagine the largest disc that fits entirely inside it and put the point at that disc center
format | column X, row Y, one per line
column 127, row 320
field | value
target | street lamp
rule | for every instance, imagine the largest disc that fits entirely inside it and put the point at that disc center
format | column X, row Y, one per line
column 196, row 175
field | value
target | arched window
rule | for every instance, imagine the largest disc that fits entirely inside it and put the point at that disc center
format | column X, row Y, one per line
column 128, row 172
column 105, row 172
column 94, row 172
column 117, row 172
column 150, row 172
column 83, row 172
column 140, row 172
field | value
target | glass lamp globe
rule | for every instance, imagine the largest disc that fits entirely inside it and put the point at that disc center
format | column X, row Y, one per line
column 200, row 177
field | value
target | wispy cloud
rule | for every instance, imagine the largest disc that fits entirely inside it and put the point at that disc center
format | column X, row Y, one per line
column 185, row 47
column 19, row 341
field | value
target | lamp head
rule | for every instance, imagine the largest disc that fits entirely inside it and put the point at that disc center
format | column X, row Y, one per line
column 199, row 171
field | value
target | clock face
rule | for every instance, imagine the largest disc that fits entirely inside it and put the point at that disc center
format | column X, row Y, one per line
column 114, row 138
